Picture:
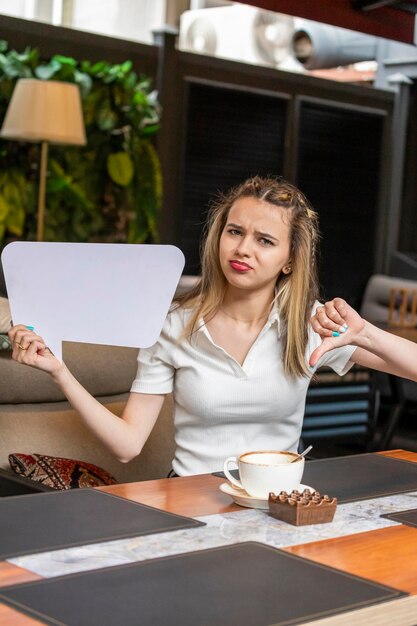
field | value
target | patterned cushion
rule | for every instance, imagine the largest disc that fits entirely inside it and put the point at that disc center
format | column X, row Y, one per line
column 59, row 473
column 5, row 342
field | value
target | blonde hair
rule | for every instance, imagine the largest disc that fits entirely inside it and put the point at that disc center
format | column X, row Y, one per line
column 296, row 291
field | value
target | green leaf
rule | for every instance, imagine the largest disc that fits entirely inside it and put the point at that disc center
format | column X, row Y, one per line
column 46, row 72
column 126, row 66
column 150, row 130
column 120, row 168
column 4, row 208
column 63, row 60
column 106, row 118
column 15, row 68
column 94, row 70
column 16, row 220
column 84, row 81
column 12, row 195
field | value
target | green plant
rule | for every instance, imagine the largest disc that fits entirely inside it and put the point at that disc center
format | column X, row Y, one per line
column 111, row 189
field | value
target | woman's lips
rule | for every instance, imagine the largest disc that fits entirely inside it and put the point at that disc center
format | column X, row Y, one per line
column 239, row 266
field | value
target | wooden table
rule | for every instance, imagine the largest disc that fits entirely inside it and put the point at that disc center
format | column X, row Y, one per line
column 387, row 556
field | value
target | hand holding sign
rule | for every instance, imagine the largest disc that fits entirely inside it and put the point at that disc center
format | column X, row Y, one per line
column 114, row 294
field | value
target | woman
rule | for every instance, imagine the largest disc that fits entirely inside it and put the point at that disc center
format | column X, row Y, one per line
column 388, row 352
column 234, row 351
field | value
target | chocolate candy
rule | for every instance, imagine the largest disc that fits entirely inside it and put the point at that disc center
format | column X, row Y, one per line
column 308, row 507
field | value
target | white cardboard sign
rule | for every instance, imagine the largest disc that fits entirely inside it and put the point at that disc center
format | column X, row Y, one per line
column 114, row 294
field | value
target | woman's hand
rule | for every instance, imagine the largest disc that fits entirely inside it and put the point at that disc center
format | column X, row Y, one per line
column 30, row 349
column 337, row 324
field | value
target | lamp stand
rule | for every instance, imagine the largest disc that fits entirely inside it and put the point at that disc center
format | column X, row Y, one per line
column 42, row 189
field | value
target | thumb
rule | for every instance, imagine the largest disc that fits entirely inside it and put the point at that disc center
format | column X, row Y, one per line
column 326, row 345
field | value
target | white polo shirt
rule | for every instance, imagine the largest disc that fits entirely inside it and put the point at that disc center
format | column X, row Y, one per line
column 222, row 408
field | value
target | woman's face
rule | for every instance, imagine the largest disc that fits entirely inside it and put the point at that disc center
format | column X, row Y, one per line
column 255, row 244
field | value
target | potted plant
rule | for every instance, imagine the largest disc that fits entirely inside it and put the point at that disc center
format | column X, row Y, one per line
column 108, row 191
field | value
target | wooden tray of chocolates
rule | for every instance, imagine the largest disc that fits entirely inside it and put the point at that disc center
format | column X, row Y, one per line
column 300, row 509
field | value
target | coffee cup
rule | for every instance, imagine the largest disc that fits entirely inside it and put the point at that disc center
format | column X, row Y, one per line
column 266, row 471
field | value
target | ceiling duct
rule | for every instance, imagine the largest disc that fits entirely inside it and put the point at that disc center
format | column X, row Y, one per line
column 318, row 46
column 239, row 32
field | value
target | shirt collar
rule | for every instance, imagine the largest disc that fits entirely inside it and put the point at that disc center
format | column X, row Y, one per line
column 273, row 317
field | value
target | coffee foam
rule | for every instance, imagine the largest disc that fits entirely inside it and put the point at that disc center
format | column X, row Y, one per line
column 268, row 458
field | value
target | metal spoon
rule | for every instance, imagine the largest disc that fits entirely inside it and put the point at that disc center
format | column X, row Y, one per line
column 306, row 451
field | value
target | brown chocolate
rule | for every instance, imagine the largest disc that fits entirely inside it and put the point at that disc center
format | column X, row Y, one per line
column 308, row 507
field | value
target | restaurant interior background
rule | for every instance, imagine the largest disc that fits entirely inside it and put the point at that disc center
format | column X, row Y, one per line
column 247, row 90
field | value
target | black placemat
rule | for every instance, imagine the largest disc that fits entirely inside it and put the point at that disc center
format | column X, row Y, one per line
column 359, row 476
column 48, row 521
column 247, row 583
column 12, row 484
column 404, row 517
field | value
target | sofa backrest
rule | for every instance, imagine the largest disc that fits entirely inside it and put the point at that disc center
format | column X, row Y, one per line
column 375, row 302
column 103, row 370
column 55, row 429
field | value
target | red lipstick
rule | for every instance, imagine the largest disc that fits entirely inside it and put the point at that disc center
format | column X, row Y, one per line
column 239, row 266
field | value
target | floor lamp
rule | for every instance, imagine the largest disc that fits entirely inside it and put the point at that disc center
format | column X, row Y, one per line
column 44, row 111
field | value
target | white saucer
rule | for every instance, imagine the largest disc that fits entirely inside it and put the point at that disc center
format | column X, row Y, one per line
column 242, row 498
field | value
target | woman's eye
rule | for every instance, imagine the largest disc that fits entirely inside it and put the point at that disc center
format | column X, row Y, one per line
column 266, row 242
column 234, row 231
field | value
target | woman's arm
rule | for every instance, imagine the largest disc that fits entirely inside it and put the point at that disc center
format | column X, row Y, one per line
column 376, row 348
column 124, row 437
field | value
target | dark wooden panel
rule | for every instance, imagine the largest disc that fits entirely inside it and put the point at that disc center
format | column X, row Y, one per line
column 339, row 169
column 408, row 223
column 230, row 135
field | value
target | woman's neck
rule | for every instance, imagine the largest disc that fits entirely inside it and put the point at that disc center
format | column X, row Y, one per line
column 247, row 307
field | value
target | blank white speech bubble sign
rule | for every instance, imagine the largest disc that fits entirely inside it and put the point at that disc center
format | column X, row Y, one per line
column 113, row 294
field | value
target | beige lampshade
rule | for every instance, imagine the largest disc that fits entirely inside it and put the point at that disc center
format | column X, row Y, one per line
column 45, row 110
